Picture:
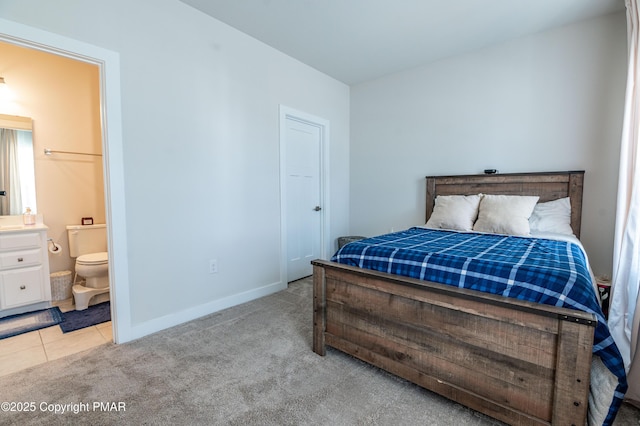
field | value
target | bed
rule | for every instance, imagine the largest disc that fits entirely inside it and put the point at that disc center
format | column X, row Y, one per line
column 515, row 360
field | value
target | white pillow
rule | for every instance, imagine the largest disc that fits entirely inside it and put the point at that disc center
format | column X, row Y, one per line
column 552, row 216
column 505, row 214
column 456, row 212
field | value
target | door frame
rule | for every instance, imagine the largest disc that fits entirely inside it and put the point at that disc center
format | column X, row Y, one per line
column 108, row 63
column 324, row 126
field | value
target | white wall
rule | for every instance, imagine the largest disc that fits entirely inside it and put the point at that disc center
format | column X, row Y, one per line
column 200, row 142
column 547, row 102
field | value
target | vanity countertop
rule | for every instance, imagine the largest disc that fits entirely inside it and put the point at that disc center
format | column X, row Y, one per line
column 21, row 228
column 15, row 224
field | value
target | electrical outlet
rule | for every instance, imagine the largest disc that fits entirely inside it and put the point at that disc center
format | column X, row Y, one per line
column 213, row 266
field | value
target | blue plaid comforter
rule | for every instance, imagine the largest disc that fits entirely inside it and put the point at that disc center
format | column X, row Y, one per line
column 538, row 270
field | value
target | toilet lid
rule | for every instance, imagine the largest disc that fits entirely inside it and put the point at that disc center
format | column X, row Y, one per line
column 93, row 258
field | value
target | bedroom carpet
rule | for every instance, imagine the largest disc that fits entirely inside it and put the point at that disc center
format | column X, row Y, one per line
column 247, row 365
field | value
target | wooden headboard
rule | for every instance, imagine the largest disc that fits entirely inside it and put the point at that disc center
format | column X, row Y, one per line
column 547, row 185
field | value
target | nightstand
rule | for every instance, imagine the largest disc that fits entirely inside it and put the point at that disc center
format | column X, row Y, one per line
column 342, row 241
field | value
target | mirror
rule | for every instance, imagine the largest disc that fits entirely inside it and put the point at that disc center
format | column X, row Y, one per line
column 17, row 176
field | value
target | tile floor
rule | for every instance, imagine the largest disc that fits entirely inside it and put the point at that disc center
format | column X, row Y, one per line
column 37, row 347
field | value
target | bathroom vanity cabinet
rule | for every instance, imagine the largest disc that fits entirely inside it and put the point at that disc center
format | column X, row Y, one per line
column 24, row 269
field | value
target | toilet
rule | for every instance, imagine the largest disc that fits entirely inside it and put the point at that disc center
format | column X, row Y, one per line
column 88, row 244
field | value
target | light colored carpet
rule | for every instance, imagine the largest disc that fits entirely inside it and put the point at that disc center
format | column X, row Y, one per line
column 248, row 365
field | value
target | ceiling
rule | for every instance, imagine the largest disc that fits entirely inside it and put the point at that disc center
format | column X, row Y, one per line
column 359, row 40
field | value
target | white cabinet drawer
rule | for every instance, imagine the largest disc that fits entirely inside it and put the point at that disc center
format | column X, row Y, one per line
column 20, row 287
column 20, row 258
column 18, row 241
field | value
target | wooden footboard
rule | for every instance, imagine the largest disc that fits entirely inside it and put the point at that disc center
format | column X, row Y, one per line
column 519, row 362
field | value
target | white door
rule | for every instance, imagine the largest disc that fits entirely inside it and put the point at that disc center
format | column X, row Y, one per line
column 303, row 208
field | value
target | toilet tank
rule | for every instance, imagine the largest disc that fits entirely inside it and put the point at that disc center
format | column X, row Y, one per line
column 84, row 239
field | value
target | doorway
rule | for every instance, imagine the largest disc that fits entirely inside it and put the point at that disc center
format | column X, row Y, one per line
column 304, row 201
column 109, row 65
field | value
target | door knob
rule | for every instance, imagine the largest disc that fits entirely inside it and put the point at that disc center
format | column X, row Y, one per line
column 317, row 208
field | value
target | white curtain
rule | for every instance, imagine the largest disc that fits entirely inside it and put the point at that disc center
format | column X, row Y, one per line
column 26, row 170
column 624, row 312
column 11, row 203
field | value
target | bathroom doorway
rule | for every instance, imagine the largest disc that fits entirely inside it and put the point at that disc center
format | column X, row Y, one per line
column 108, row 88
column 66, row 141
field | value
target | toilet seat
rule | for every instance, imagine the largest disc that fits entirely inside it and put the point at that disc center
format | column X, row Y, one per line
column 100, row 258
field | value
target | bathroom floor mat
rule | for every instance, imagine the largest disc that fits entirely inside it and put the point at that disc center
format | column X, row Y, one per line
column 29, row 321
column 95, row 314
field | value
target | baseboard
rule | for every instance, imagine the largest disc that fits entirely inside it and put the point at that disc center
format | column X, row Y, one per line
column 177, row 318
